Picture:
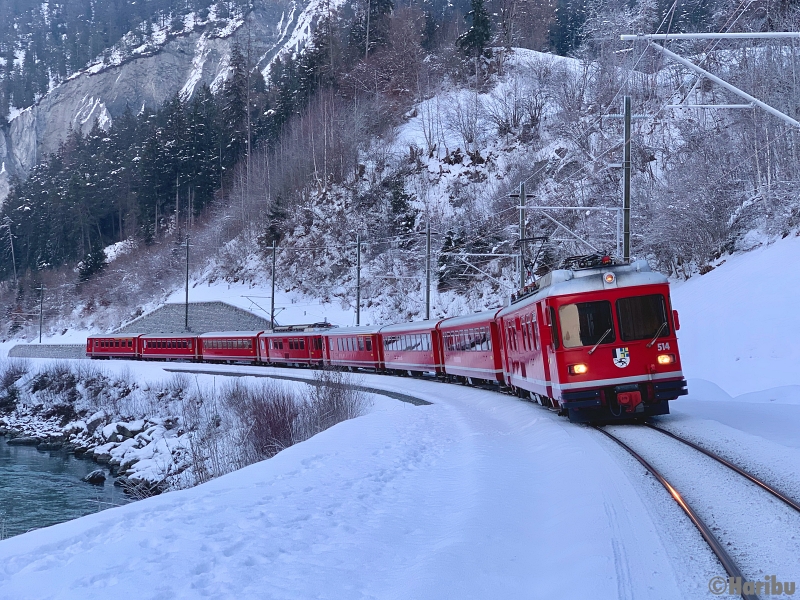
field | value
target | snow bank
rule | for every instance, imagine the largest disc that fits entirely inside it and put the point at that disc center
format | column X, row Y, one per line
column 740, row 324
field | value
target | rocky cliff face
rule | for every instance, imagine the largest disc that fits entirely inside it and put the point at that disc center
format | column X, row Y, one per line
column 180, row 65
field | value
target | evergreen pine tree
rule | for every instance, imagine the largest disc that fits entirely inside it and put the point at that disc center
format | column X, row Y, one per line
column 475, row 40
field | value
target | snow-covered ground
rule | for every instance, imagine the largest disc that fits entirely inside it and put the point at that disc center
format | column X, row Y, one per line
column 475, row 496
column 478, row 495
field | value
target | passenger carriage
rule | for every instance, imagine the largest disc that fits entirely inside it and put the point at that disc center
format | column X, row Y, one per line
column 412, row 348
column 230, row 346
column 294, row 345
column 166, row 346
column 125, row 345
column 354, row 347
column 598, row 342
column 471, row 347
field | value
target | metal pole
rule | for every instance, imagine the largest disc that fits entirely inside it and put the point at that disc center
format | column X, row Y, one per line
column 521, row 235
column 358, row 279
column 773, row 111
column 272, row 300
column 626, row 183
column 186, row 305
column 710, row 36
column 428, row 271
column 41, row 312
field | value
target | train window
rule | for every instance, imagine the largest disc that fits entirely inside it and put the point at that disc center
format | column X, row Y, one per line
column 302, row 344
column 369, row 344
column 553, row 326
column 361, row 344
column 528, row 333
column 535, row 333
column 642, row 317
column 525, row 333
column 586, row 324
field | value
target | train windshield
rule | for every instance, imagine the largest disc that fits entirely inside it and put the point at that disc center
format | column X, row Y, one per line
column 642, row 317
column 586, row 324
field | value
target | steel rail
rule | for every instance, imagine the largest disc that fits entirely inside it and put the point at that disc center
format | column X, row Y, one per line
column 788, row 501
column 731, row 568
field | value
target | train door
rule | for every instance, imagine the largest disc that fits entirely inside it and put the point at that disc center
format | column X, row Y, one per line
column 506, row 353
column 545, row 345
column 553, row 344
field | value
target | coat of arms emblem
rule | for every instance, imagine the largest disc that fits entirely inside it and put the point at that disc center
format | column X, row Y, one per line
column 622, row 357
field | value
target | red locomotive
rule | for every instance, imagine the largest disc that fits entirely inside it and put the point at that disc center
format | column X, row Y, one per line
column 595, row 341
column 598, row 342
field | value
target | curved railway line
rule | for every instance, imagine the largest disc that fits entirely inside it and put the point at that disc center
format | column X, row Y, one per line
column 717, row 546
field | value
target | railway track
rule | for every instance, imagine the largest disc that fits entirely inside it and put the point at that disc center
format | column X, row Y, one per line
column 733, row 567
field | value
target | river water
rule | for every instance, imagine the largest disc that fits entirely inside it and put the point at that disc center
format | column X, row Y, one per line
column 38, row 489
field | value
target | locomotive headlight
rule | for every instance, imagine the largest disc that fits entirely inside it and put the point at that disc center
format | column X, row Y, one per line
column 578, row 369
column 609, row 277
column 666, row 359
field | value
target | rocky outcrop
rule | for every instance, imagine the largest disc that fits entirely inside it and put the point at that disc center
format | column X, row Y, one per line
column 101, row 93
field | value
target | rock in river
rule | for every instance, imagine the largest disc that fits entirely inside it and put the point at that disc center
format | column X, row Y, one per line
column 96, row 477
column 24, row 441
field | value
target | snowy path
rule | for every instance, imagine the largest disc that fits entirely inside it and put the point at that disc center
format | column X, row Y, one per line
column 476, row 496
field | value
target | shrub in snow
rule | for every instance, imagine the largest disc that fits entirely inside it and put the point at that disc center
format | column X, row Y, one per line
column 11, row 371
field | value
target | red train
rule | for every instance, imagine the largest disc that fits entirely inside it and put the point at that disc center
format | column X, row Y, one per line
column 596, row 341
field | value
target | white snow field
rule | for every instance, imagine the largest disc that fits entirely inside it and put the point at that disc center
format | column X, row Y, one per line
column 478, row 495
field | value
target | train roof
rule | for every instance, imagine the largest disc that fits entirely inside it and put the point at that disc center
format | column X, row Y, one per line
column 353, row 330
column 114, row 335
column 217, row 334
column 473, row 319
column 152, row 336
column 291, row 332
column 411, row 326
column 563, row 282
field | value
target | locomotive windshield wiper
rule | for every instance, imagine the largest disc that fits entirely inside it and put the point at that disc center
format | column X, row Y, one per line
column 658, row 333
column 600, row 340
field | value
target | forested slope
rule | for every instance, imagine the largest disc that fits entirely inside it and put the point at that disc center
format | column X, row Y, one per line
column 385, row 118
